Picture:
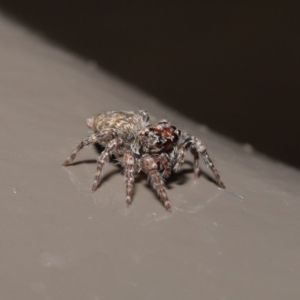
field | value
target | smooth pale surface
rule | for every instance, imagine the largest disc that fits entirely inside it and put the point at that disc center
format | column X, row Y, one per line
column 59, row 241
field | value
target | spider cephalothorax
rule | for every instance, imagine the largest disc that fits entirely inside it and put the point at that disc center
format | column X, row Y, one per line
column 156, row 138
column 156, row 149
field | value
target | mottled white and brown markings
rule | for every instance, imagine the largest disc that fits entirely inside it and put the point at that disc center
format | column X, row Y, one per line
column 156, row 149
column 129, row 164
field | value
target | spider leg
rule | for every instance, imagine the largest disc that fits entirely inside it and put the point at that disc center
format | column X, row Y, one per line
column 86, row 142
column 95, row 137
column 196, row 163
column 129, row 165
column 198, row 148
column 149, row 166
column 180, row 154
column 163, row 160
column 104, row 158
column 210, row 165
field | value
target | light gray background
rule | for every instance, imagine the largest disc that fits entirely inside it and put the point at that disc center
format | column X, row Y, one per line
column 59, row 241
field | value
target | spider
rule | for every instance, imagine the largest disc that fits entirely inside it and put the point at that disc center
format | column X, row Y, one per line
column 156, row 149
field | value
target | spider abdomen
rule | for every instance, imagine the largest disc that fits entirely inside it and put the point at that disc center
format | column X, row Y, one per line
column 124, row 124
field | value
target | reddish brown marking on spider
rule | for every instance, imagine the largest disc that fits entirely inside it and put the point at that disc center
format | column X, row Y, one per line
column 166, row 132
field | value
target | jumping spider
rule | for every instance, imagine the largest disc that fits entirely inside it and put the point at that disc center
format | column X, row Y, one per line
column 156, row 149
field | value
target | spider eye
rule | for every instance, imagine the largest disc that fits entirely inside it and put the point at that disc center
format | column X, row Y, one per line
column 158, row 140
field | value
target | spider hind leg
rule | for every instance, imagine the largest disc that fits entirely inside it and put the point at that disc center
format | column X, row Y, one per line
column 103, row 159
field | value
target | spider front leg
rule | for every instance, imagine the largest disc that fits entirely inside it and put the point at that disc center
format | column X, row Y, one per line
column 164, row 162
column 180, row 155
column 103, row 159
column 149, row 166
column 201, row 149
column 197, row 148
column 129, row 165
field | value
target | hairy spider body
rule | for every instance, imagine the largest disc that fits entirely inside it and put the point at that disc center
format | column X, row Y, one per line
column 156, row 149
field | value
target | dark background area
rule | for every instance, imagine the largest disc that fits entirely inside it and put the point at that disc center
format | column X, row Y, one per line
column 233, row 65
